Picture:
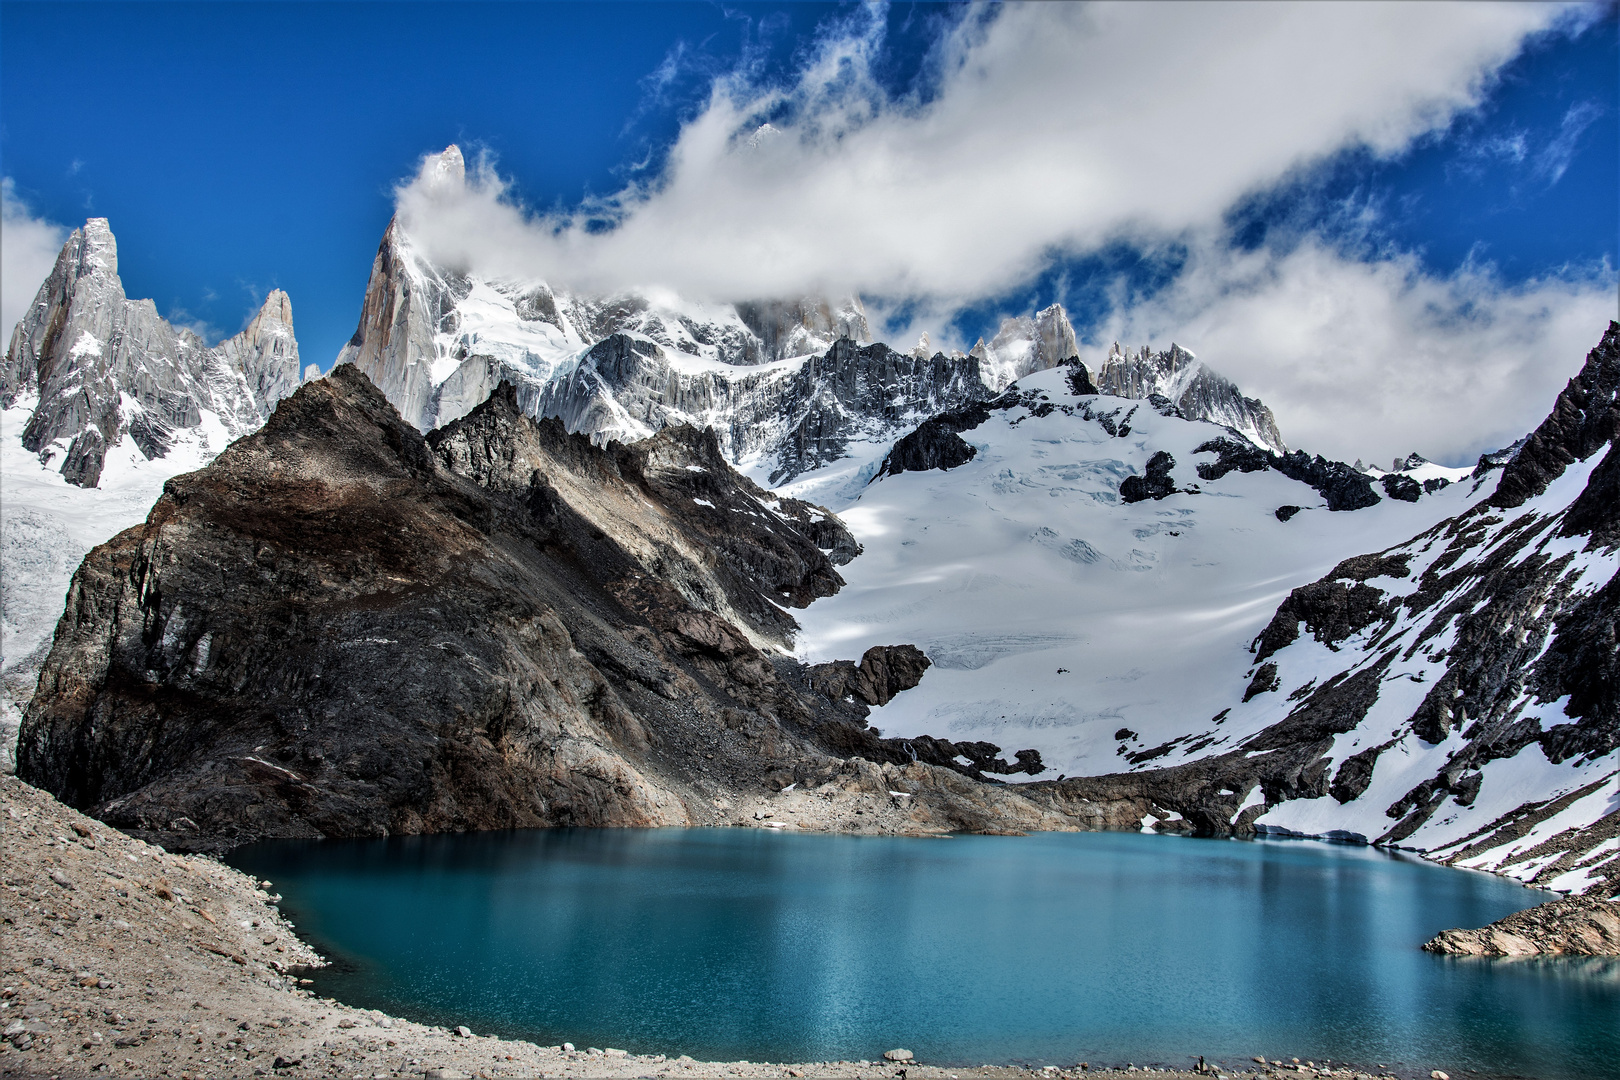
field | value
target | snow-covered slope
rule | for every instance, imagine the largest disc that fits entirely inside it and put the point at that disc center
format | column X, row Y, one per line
column 101, row 401
column 1165, row 613
column 1056, row 613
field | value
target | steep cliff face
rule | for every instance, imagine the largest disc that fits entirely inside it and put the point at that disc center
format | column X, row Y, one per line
column 1454, row 693
column 97, row 366
column 1200, row 393
column 341, row 627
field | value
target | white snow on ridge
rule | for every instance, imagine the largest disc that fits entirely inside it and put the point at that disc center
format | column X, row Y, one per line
column 1024, row 561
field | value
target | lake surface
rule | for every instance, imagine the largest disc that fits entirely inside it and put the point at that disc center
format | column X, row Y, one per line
column 1046, row 949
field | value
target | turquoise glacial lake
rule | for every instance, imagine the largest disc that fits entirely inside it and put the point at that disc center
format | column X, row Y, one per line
column 1047, row 949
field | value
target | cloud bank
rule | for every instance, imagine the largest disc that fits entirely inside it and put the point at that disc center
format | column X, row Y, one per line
column 1048, row 131
column 1373, row 357
column 28, row 249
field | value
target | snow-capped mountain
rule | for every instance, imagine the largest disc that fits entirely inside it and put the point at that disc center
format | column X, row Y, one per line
column 103, row 401
column 101, row 367
column 1200, row 393
column 437, row 342
column 1472, row 669
column 1026, row 345
column 784, row 383
column 1116, row 587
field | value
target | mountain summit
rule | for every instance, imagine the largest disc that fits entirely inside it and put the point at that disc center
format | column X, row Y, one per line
column 100, row 368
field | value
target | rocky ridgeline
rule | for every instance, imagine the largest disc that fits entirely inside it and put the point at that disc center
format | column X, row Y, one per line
column 1198, row 392
column 438, row 342
column 100, row 367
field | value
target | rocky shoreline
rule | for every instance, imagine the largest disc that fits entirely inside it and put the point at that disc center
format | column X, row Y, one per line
column 122, row 959
column 1572, row 926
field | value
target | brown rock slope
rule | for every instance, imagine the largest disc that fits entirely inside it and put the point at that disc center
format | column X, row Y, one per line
column 342, row 627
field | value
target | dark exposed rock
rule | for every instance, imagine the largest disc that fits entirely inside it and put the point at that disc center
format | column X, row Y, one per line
column 1584, row 418
column 1264, row 682
column 343, row 627
column 936, row 443
column 1080, row 380
column 1330, row 610
column 306, row 637
column 1239, row 454
column 884, row 671
column 1156, row 484
column 1341, row 485
column 1596, row 510
column 1434, row 484
column 1286, row 513
column 1404, row 488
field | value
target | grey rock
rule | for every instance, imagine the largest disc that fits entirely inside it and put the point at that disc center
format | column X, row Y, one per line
column 1198, row 392
column 104, row 367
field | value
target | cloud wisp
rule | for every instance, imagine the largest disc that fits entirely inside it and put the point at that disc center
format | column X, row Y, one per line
column 28, row 248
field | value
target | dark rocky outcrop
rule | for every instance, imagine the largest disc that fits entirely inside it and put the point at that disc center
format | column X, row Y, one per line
column 1585, row 418
column 1343, row 486
column 343, row 627
column 1404, row 488
column 884, row 671
column 1156, row 484
column 937, row 442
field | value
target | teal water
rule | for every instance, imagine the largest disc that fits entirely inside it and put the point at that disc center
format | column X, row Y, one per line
column 1045, row 949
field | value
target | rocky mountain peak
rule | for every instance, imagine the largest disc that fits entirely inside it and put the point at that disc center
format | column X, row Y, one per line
column 1024, row 345
column 447, row 169
column 101, row 367
column 1200, row 392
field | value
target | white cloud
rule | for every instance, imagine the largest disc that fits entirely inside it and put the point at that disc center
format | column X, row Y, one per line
column 1055, row 127
column 1375, row 358
column 28, row 249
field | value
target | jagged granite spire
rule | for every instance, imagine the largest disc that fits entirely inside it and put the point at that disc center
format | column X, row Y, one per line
column 1198, row 391
column 103, row 367
column 1025, row 345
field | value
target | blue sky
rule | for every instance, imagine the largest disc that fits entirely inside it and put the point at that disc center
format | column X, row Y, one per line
column 237, row 147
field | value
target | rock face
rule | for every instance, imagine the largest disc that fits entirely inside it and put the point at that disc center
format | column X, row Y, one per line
column 342, row 627
column 789, row 385
column 792, row 419
column 1574, row 926
column 1025, row 345
column 1198, row 392
column 1456, row 693
column 101, row 367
